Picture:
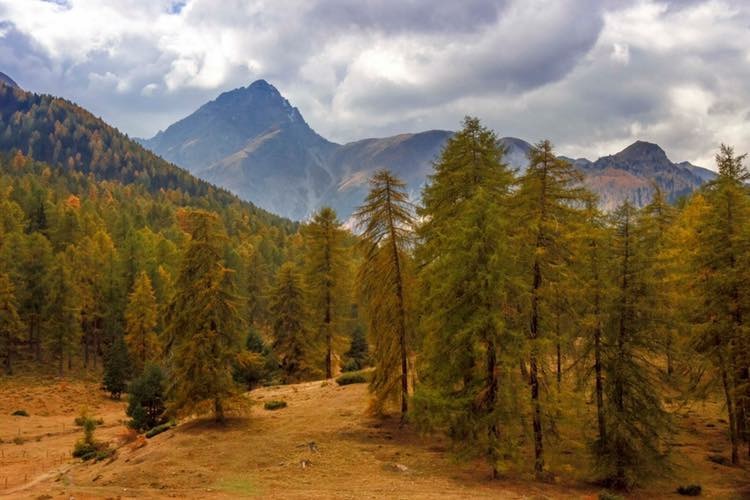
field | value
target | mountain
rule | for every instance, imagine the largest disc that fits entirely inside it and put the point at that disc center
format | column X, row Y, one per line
column 634, row 172
column 76, row 142
column 6, row 80
column 252, row 141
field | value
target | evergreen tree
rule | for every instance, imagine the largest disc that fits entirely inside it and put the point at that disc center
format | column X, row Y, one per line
column 291, row 342
column 722, row 263
column 146, row 401
column 204, row 332
column 358, row 353
column 326, row 268
column 140, row 317
column 637, row 424
column 11, row 326
column 550, row 200
column 116, row 368
column 464, row 260
column 63, row 315
column 386, row 285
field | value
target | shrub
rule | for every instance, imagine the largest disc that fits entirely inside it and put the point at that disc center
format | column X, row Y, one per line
column 20, row 413
column 352, row 378
column 146, row 399
column 691, row 490
column 87, row 447
column 81, row 419
column 18, row 440
column 160, row 428
column 274, row 404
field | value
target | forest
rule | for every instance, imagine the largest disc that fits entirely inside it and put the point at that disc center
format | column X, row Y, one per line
column 488, row 311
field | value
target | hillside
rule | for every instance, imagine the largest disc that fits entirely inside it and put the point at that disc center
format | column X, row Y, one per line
column 60, row 133
column 346, row 453
column 253, row 142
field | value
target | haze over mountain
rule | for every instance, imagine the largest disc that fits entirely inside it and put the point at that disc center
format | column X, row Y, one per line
column 252, row 141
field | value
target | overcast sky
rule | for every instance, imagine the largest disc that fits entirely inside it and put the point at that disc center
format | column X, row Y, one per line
column 591, row 75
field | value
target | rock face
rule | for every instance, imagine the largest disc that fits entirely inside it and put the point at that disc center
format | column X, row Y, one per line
column 6, row 80
column 253, row 142
column 634, row 173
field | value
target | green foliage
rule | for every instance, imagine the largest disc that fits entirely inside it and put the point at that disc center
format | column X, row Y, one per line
column 326, row 269
column 274, row 404
column 88, row 448
column 11, row 326
column 117, row 368
column 464, row 259
column 292, row 342
column 386, row 283
column 204, row 332
column 353, row 378
column 146, row 402
column 358, row 355
column 140, row 318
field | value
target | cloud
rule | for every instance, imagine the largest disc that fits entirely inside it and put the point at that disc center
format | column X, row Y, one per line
column 592, row 75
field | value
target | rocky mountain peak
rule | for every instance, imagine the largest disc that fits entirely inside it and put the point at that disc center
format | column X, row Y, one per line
column 6, row 80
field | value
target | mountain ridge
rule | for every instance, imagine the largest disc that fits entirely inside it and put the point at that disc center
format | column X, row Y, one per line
column 252, row 141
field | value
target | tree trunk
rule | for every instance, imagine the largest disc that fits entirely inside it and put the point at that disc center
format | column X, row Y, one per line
column 730, row 413
column 492, row 384
column 219, row 411
column 329, row 336
column 534, row 375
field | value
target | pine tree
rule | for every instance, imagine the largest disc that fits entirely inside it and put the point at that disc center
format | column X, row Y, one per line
column 386, row 285
column 291, row 337
column 636, row 421
column 550, row 200
column 146, row 401
column 140, row 317
column 325, row 269
column 204, row 334
column 721, row 265
column 116, row 368
column 11, row 326
column 464, row 260
column 63, row 315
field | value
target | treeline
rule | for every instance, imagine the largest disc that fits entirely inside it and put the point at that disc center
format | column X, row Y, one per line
column 517, row 302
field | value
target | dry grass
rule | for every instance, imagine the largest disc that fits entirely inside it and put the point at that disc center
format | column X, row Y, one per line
column 321, row 446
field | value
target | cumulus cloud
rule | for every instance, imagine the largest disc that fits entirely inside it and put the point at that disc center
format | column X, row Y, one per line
column 592, row 75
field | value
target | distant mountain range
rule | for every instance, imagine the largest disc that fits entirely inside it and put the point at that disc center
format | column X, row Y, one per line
column 252, row 141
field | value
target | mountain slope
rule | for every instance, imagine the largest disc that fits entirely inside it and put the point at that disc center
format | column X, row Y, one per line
column 6, row 80
column 65, row 136
column 253, row 142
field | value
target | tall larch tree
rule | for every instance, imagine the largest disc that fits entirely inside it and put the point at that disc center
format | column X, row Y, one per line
column 325, row 272
column 205, row 331
column 722, row 265
column 463, row 259
column 63, row 315
column 550, row 203
column 291, row 338
column 140, row 324
column 386, row 282
column 11, row 326
column 637, row 423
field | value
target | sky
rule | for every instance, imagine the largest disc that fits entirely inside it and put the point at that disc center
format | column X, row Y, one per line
column 591, row 75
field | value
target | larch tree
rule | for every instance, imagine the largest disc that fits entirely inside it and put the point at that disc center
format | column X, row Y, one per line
column 463, row 257
column 11, row 326
column 291, row 337
column 636, row 421
column 550, row 203
column 722, row 264
column 386, row 285
column 63, row 315
column 325, row 272
column 205, row 331
column 140, row 323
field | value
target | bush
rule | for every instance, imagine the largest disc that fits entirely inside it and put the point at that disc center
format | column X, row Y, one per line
column 160, row 428
column 352, row 378
column 87, row 447
column 274, row 404
column 691, row 490
column 80, row 420
column 146, row 399
column 20, row 413
column 18, row 440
